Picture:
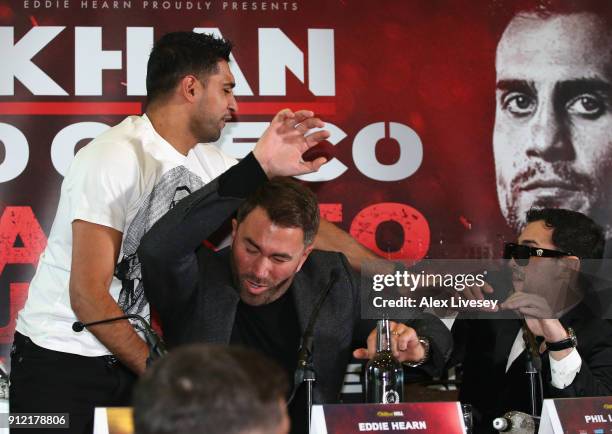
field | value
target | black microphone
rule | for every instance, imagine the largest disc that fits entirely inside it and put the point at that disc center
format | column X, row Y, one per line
column 157, row 348
column 78, row 326
column 515, row 422
column 305, row 351
column 533, row 350
column 306, row 344
column 304, row 354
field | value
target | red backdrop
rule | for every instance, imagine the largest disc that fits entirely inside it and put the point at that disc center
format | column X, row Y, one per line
column 397, row 67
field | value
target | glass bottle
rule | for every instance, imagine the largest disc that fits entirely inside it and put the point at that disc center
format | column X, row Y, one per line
column 384, row 373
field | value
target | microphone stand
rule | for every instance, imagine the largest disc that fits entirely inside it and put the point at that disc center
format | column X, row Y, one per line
column 305, row 372
column 533, row 369
column 157, row 348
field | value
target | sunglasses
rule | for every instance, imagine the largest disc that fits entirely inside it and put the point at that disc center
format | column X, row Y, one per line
column 521, row 253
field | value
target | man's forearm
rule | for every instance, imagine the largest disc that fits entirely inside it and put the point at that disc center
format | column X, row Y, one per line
column 332, row 238
column 177, row 234
column 95, row 249
column 119, row 337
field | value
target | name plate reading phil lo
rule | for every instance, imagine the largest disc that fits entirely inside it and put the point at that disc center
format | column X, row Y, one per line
column 577, row 415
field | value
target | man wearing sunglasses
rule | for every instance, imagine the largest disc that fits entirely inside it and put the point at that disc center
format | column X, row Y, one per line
column 550, row 304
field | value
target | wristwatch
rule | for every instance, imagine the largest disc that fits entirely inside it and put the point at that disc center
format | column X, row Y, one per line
column 569, row 342
column 425, row 342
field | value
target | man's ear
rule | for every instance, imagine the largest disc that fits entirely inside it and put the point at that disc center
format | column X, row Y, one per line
column 189, row 87
column 572, row 262
column 570, row 267
column 234, row 228
column 305, row 254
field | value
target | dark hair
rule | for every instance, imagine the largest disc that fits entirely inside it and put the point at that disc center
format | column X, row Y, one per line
column 573, row 231
column 288, row 204
column 178, row 54
column 210, row 389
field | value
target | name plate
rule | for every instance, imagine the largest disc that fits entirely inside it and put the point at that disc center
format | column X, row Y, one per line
column 577, row 416
column 414, row 417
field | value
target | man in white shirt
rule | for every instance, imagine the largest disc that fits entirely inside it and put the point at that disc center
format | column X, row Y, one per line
column 552, row 299
column 115, row 190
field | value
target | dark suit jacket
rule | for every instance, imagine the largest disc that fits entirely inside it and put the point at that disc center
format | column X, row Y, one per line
column 484, row 345
column 193, row 288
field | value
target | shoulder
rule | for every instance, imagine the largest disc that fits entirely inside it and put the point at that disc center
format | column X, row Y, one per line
column 114, row 149
column 111, row 165
column 326, row 259
column 210, row 160
column 325, row 265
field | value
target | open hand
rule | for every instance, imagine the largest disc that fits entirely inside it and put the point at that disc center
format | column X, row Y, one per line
column 279, row 150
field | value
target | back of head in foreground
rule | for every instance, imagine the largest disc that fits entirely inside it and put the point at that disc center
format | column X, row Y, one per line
column 211, row 389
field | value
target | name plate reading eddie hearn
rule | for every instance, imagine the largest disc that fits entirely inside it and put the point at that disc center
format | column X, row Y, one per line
column 416, row 417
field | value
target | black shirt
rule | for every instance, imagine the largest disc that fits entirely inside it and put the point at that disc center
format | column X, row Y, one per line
column 273, row 330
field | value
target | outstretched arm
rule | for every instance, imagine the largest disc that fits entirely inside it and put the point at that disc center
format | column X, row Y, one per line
column 168, row 251
column 331, row 238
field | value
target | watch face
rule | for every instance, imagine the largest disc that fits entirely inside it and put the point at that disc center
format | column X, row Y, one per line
column 572, row 336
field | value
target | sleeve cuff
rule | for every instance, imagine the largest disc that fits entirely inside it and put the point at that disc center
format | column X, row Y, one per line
column 564, row 371
column 243, row 178
column 99, row 218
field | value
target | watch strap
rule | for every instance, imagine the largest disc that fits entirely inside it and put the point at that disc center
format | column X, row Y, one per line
column 569, row 342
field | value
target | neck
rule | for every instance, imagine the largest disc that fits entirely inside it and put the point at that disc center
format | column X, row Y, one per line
column 567, row 309
column 170, row 122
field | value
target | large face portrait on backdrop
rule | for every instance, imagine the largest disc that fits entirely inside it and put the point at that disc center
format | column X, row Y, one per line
column 552, row 138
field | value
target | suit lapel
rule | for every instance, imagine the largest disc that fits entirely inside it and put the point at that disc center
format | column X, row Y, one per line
column 304, row 299
column 219, row 300
column 505, row 334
